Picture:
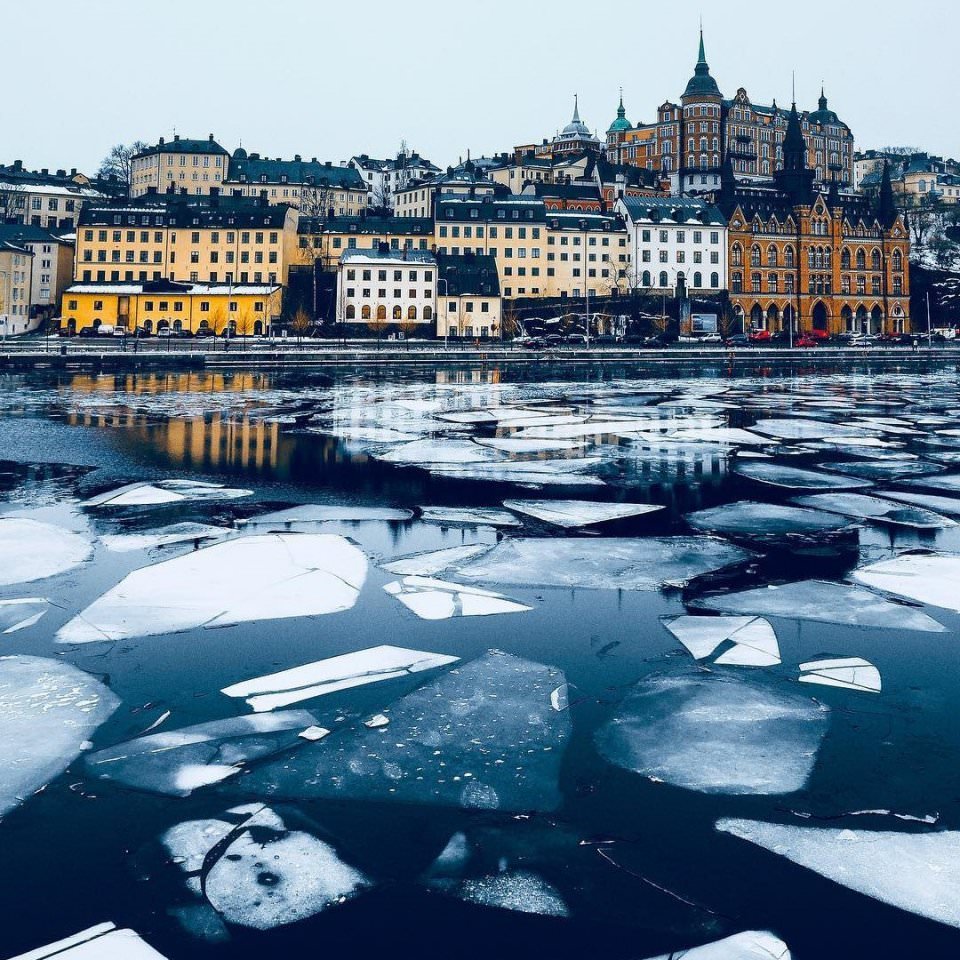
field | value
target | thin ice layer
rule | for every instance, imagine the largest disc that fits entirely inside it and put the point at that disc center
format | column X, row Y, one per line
column 102, row 942
column 314, row 513
column 863, row 507
column 917, row 872
column 850, row 673
column 484, row 735
column 32, row 550
column 21, row 613
column 349, row 670
column 751, row 945
column 48, row 710
column 433, row 599
column 746, row 641
column 176, row 762
column 469, row 516
column 715, row 734
column 607, row 564
column 948, row 505
column 579, row 513
column 162, row 492
column 427, row 564
column 948, row 483
column 794, row 478
column 765, row 520
column 518, row 890
column 163, row 536
column 932, row 578
column 824, row 602
column 266, row 577
column 428, row 453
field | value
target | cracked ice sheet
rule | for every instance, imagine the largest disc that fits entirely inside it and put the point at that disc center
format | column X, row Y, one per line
column 21, row 613
column 751, row 945
column 310, row 514
column 469, row 516
column 523, row 476
column 892, row 469
column 852, row 673
column 48, row 710
column 728, row 436
column 947, row 505
column 177, row 762
column 823, row 602
column 863, row 507
column 33, row 550
column 925, row 577
column 765, row 520
column 438, row 600
column 810, row 429
column 916, row 872
column 519, row 445
column 485, row 735
column 579, row 513
column 715, row 734
column 163, row 536
column 949, row 483
column 429, row 453
column 272, row 576
column 336, row 673
column 754, row 641
column 608, row 564
column 266, row 875
column 427, row 564
column 102, row 942
column 163, row 492
column 794, row 478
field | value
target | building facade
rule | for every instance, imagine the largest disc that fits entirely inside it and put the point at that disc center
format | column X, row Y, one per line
column 469, row 305
column 326, row 240
column 39, row 198
column 380, row 289
column 52, row 265
column 197, row 166
column 385, row 177
column 16, row 280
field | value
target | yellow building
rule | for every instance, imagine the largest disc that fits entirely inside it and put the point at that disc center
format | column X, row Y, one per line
column 183, row 307
column 175, row 237
column 16, row 277
column 325, row 240
column 469, row 305
column 197, row 166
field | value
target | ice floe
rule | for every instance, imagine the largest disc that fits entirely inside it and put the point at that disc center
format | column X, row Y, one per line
column 851, row 673
column 825, row 602
column 102, row 942
column 160, row 492
column 579, row 513
column 932, row 578
column 427, row 564
column 162, row 537
column 608, row 564
column 949, row 482
column 917, row 872
column 746, row 641
column 21, row 613
column 34, row 550
column 765, row 521
column 344, row 672
column 795, row 478
column 484, row 735
column 715, row 734
column 945, row 505
column 517, row 890
column 177, row 762
column 732, row 436
column 860, row 506
column 469, row 516
column 810, row 429
column 891, row 469
column 520, row 445
column 263, row 577
column 48, row 711
column 750, row 945
column 433, row 599
column 308, row 515
column 429, row 453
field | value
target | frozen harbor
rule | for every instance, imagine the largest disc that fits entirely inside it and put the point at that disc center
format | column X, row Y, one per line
column 463, row 665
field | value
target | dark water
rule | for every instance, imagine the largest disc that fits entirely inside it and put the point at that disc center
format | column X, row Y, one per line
column 639, row 863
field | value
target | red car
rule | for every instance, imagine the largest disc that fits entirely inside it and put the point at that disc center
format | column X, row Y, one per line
column 805, row 340
column 818, row 334
column 760, row 336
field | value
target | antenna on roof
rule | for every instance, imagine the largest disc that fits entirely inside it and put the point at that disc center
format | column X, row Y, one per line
column 794, row 75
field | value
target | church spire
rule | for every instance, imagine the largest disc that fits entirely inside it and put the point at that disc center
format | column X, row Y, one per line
column 701, row 83
column 702, row 58
column 795, row 178
column 887, row 207
column 576, row 109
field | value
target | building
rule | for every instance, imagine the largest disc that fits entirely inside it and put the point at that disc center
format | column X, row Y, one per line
column 186, row 238
column 916, row 178
column 197, row 166
column 313, row 187
column 324, row 240
column 690, row 140
column 575, row 137
column 198, row 308
column 44, row 199
column 384, row 177
column 468, row 297
column 418, row 198
column 677, row 244
column 16, row 280
column 801, row 258
column 52, row 265
column 380, row 290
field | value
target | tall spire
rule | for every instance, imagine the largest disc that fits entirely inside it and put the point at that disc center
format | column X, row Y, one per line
column 576, row 109
column 701, row 83
column 887, row 207
column 702, row 58
column 795, row 178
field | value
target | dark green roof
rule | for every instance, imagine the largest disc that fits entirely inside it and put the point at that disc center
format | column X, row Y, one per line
column 181, row 145
column 253, row 168
column 185, row 211
column 469, row 274
column 379, row 226
column 701, row 83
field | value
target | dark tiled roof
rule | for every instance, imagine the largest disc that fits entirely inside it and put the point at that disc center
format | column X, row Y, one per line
column 176, row 210
column 517, row 209
column 568, row 191
column 185, row 145
column 21, row 233
column 469, row 274
column 679, row 210
column 254, row 168
column 380, row 226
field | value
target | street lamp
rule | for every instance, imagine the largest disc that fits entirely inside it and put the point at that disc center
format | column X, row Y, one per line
column 446, row 293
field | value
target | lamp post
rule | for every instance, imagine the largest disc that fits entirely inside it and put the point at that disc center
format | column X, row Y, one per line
column 446, row 293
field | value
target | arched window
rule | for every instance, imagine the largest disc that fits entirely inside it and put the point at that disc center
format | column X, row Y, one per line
column 715, row 281
column 645, row 280
column 773, row 283
column 411, row 312
column 351, row 312
column 755, row 256
column 861, row 260
column 788, row 258
column 381, row 312
column 738, row 283
column 697, row 280
column 845, row 259
column 664, row 279
column 365, row 312
column 737, row 255
column 875, row 260
column 755, row 282
column 897, row 260
column 428, row 313
column 398, row 312
column 772, row 258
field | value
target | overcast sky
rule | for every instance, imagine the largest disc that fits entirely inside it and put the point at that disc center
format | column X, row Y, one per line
column 331, row 79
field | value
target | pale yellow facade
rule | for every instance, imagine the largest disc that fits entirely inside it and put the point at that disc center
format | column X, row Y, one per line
column 178, row 165
column 16, row 275
column 327, row 242
column 309, row 199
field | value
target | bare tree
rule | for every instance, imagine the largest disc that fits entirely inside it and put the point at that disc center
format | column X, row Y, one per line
column 316, row 198
column 119, row 162
column 244, row 323
column 300, row 324
column 509, row 322
column 377, row 324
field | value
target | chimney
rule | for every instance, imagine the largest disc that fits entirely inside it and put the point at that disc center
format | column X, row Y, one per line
column 176, row 138
column 61, row 173
column 18, row 165
column 73, row 171
column 328, row 163
column 297, row 157
column 211, row 138
column 313, row 159
column 161, row 141
column 45, row 171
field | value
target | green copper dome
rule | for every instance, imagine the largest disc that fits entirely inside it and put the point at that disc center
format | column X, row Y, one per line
column 621, row 123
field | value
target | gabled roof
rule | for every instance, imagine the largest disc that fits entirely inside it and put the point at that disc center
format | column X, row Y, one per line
column 184, row 145
column 367, row 226
column 179, row 210
column 21, row 233
column 675, row 210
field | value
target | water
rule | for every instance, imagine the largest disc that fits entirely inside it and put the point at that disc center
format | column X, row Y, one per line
column 638, row 863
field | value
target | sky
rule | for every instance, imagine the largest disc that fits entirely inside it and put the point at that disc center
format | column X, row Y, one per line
column 332, row 79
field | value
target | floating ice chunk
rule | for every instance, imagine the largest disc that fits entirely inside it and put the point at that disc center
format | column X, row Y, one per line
column 947, row 505
column 21, row 613
column 521, row 445
column 374, row 434
column 917, row 872
column 852, row 673
column 950, row 482
column 793, row 478
column 484, row 735
column 607, row 564
column 810, row 429
column 102, row 942
column 579, row 513
column 314, row 733
column 438, row 600
column 272, row 576
column 518, row 890
column 715, row 734
column 162, row 537
column 313, row 513
column 751, row 945
column 48, row 710
column 336, row 673
column 176, row 762
column 891, row 469
column 469, row 516
column 427, row 453
column 863, row 507
column 926, row 577
column 33, row 550
column 765, row 521
column 523, row 476
column 725, row 435
column 603, row 428
column 164, row 491
column 747, row 641
column 427, row 564
column 824, row 602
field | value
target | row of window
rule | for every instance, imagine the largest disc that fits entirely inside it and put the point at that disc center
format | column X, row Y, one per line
column 818, row 283
column 646, row 280
column 646, row 256
column 118, row 236
column 143, row 256
column 413, row 275
column 100, row 276
column 366, row 312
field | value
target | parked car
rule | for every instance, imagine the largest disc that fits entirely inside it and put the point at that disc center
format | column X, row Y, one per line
column 535, row 343
column 737, row 340
column 119, row 331
column 805, row 340
column 818, row 334
column 553, row 340
column 105, row 330
column 576, row 338
column 606, row 339
column 166, row 333
column 861, row 341
column 760, row 336
column 710, row 338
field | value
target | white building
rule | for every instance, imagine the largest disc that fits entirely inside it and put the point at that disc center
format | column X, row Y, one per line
column 52, row 265
column 385, row 177
column 16, row 280
column 42, row 199
column 388, row 288
column 676, row 239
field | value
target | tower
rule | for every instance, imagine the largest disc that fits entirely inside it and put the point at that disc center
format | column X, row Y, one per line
column 701, row 136
column 795, row 179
